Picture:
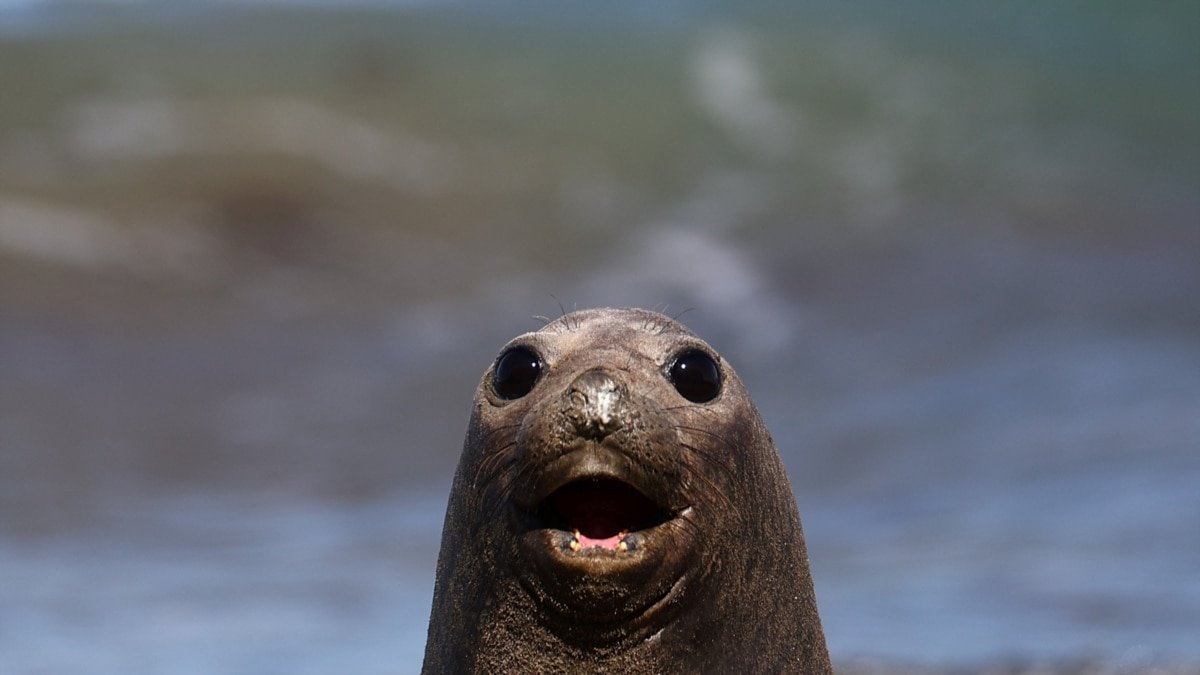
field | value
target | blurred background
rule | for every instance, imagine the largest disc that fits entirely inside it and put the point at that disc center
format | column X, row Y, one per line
column 255, row 256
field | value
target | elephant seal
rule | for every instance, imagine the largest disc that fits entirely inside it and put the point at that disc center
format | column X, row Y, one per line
column 620, row 507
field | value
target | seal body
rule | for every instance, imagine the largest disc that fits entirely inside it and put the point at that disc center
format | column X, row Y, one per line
column 620, row 507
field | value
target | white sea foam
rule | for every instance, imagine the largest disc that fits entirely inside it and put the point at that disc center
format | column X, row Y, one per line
column 84, row 239
column 139, row 129
column 729, row 86
column 62, row 235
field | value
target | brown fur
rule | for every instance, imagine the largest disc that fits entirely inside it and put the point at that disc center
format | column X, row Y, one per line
column 726, row 589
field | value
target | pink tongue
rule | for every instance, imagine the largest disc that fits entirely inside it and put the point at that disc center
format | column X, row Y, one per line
column 598, row 524
column 607, row 542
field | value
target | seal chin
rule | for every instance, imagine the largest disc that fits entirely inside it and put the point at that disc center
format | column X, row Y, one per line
column 603, row 540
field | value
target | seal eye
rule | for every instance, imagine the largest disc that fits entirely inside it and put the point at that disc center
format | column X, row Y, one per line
column 517, row 370
column 696, row 376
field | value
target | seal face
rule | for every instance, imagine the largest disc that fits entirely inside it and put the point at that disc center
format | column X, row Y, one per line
column 619, row 504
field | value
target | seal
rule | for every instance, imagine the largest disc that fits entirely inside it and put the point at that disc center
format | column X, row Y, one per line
column 619, row 506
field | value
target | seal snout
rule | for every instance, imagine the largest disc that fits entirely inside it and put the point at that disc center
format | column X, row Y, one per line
column 595, row 404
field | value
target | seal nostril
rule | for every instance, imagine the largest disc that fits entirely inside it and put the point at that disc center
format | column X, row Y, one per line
column 594, row 404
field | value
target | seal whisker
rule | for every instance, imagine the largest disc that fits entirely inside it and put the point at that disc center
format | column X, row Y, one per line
column 713, row 487
column 498, row 451
column 492, row 466
column 505, row 492
column 520, row 476
column 711, row 460
column 498, row 455
column 493, row 433
column 676, row 317
column 497, row 444
column 504, row 427
column 690, row 406
column 687, row 524
column 706, row 432
column 712, row 456
column 507, row 489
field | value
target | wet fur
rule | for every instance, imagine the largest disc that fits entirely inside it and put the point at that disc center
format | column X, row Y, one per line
column 744, row 601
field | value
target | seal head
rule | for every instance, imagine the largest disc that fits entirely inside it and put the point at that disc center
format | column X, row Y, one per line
column 620, row 505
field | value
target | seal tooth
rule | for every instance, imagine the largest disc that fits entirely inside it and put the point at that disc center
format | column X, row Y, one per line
column 575, row 541
column 623, row 545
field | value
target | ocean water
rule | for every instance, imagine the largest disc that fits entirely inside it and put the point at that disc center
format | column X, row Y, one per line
column 254, row 259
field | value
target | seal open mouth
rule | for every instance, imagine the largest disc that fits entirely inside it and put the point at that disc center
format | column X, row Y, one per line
column 601, row 513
